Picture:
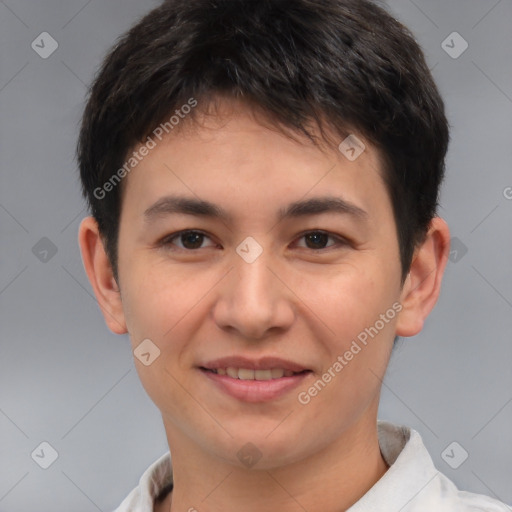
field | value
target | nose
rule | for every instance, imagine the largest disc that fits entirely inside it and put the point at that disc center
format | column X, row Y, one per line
column 254, row 298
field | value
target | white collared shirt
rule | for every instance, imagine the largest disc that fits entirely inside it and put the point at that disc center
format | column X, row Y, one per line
column 411, row 484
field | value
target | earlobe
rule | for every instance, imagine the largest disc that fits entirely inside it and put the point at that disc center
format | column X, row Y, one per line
column 423, row 283
column 99, row 271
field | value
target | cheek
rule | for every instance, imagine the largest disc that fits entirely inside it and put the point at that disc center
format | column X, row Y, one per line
column 357, row 306
column 156, row 299
column 157, row 306
column 357, row 354
column 348, row 301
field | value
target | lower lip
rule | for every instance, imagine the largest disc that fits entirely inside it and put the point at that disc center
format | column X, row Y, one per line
column 256, row 390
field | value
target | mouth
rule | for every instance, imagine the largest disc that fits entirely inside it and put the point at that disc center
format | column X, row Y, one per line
column 254, row 381
column 251, row 374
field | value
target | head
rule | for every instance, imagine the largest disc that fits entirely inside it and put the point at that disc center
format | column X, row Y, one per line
column 251, row 106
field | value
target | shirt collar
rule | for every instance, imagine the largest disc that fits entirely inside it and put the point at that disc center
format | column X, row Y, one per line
column 411, row 469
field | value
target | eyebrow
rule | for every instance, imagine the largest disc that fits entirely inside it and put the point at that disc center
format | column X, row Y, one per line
column 198, row 207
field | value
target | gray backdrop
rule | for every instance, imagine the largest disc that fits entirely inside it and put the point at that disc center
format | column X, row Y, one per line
column 67, row 381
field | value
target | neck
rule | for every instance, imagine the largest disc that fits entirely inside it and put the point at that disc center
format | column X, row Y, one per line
column 336, row 477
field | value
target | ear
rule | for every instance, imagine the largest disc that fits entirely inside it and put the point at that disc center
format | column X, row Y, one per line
column 99, row 271
column 423, row 284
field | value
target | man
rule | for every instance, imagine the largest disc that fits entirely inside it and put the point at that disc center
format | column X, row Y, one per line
column 263, row 179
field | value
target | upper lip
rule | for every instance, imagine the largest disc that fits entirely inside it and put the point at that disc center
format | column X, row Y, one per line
column 264, row 363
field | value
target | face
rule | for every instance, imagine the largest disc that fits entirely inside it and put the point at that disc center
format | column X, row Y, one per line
column 288, row 288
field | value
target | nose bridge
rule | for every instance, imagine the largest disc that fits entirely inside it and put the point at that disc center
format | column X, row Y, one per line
column 254, row 287
column 253, row 300
column 254, row 278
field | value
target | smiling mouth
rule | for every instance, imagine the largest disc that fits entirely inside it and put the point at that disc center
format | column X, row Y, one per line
column 251, row 374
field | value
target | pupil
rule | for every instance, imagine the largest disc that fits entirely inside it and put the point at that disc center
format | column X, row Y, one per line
column 187, row 237
column 317, row 238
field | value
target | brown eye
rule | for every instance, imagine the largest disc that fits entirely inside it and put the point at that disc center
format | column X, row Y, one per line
column 190, row 240
column 317, row 240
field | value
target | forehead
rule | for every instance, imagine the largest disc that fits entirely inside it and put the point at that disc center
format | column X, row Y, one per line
column 251, row 166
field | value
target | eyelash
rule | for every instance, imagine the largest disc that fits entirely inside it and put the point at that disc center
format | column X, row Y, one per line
column 167, row 240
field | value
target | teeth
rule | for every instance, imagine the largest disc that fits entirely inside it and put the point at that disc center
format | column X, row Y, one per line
column 232, row 372
column 277, row 373
column 245, row 374
column 263, row 374
column 249, row 374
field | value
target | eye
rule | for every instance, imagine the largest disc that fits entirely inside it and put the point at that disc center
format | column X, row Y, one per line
column 316, row 240
column 190, row 240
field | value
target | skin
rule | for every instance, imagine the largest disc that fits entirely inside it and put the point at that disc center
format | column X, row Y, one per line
column 299, row 300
